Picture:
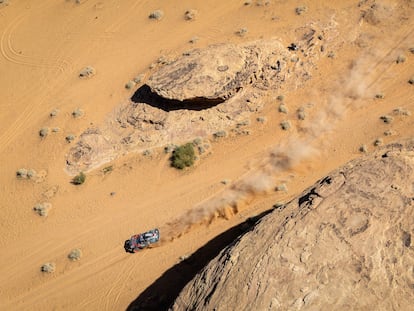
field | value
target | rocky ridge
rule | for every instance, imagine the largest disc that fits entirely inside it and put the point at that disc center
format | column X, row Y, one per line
column 345, row 243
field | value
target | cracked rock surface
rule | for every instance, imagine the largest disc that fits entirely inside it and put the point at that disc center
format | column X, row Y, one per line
column 345, row 243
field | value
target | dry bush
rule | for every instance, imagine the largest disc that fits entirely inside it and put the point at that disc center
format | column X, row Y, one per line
column 75, row 254
column 157, row 15
column 48, row 267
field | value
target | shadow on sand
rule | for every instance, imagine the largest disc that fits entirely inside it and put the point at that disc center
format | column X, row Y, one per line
column 162, row 293
column 145, row 95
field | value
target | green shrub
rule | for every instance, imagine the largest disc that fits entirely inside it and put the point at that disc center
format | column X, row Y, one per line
column 183, row 156
column 79, row 179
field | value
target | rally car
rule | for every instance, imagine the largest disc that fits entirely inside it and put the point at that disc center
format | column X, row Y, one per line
column 140, row 241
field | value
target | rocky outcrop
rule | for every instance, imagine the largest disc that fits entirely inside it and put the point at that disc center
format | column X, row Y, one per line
column 219, row 71
column 345, row 243
column 202, row 92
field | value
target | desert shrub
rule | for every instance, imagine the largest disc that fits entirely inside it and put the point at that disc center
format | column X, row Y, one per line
column 138, row 78
column 261, row 119
column 79, row 179
column 146, row 153
column 363, row 149
column 77, row 113
column 389, row 133
column 411, row 50
column 386, row 119
column 401, row 112
column 170, row 148
column 53, row 113
column 69, row 138
column 241, row 32
column 183, row 156
column 31, row 173
column 44, row 131
column 75, row 254
column 411, row 81
column 378, row 142
column 300, row 10
column 285, row 125
column 87, row 72
column 280, row 98
column 400, row 59
column 42, row 208
column 283, row 108
column 130, row 84
column 157, row 15
column 48, row 267
column 379, row 95
column 193, row 40
column 281, row 187
column 21, row 173
column 190, row 14
column 220, row 134
column 107, row 169
column 301, row 113
column 55, row 129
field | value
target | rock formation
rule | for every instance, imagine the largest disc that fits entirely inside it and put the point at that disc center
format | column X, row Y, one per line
column 344, row 244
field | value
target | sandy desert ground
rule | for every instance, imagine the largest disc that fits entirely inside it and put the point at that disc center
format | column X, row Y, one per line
column 44, row 45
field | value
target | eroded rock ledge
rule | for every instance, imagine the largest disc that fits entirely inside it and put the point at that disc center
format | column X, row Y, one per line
column 345, row 243
column 195, row 95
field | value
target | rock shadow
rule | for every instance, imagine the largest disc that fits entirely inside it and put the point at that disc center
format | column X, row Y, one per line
column 162, row 293
column 145, row 95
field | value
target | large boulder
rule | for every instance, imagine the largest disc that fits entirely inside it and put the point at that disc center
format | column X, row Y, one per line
column 344, row 244
column 219, row 71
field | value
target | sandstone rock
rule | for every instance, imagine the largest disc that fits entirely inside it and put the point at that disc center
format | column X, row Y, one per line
column 345, row 243
column 219, row 71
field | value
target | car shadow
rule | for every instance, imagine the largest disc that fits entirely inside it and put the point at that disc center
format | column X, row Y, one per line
column 162, row 293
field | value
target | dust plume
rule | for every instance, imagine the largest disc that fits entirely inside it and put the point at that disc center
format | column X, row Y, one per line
column 307, row 143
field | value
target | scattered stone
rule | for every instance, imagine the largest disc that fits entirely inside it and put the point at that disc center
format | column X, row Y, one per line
column 75, row 254
column 331, row 54
column 42, row 208
column 49, row 267
column 261, row 119
column 389, row 133
column 87, row 72
column 248, row 2
column 157, row 15
column 225, row 181
column 379, row 96
column 112, row 193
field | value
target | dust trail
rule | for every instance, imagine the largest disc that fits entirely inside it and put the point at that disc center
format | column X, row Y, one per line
column 305, row 144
